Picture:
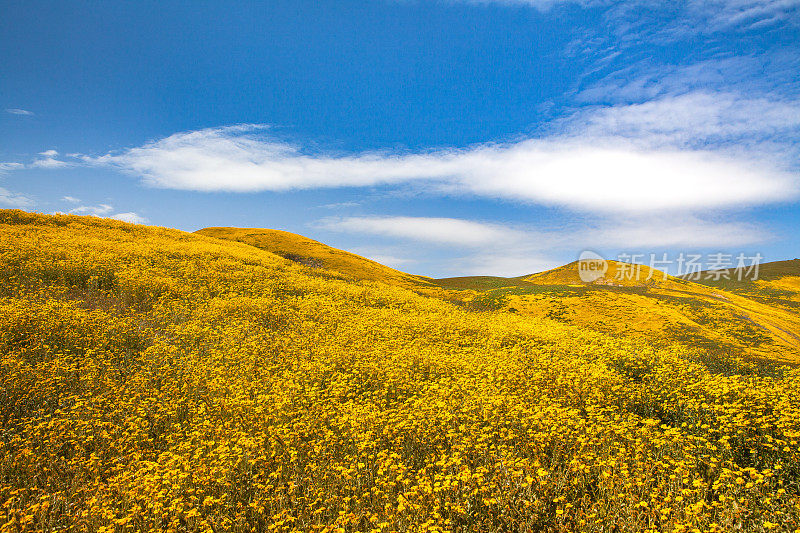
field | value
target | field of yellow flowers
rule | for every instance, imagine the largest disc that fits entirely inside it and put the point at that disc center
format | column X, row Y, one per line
column 152, row 379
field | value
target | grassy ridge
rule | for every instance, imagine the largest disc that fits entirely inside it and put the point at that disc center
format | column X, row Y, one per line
column 754, row 320
column 315, row 254
column 153, row 379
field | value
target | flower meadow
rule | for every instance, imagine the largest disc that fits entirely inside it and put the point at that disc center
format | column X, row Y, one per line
column 152, row 379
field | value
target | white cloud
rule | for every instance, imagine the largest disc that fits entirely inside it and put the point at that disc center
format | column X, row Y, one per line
column 48, row 160
column 507, row 263
column 624, row 62
column 94, row 210
column 597, row 172
column 723, row 14
column 542, row 5
column 5, row 167
column 388, row 259
column 71, row 199
column 695, row 116
column 496, row 249
column 19, row 112
column 13, row 199
column 131, row 217
column 104, row 211
column 643, row 80
column 438, row 230
column 684, row 232
column 630, row 232
column 691, row 15
column 340, row 205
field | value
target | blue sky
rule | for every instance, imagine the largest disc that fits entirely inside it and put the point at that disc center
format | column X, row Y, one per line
column 439, row 137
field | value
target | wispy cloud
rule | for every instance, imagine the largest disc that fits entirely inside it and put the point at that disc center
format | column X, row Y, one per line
column 687, row 232
column 474, row 246
column 497, row 249
column 747, row 14
column 130, row 217
column 384, row 257
column 98, row 210
column 648, row 50
column 103, row 211
column 542, row 5
column 639, row 80
column 341, row 205
column 506, row 263
column 49, row 159
column 698, row 119
column 699, row 16
column 451, row 231
column 5, row 167
column 634, row 232
column 12, row 199
column 71, row 199
column 15, row 111
column 597, row 170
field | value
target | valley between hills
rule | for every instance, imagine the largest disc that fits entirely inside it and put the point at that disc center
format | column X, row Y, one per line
column 753, row 319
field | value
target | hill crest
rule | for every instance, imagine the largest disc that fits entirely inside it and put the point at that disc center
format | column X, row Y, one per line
column 308, row 252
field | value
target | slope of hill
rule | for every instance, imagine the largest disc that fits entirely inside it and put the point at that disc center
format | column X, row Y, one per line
column 769, row 271
column 631, row 300
column 315, row 254
column 776, row 283
column 749, row 319
column 152, row 379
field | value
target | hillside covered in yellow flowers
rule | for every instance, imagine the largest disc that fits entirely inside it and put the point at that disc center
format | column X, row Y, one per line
column 152, row 379
column 757, row 319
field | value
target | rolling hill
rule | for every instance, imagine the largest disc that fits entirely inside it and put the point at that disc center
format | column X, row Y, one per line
column 311, row 253
column 747, row 319
column 152, row 379
column 776, row 283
